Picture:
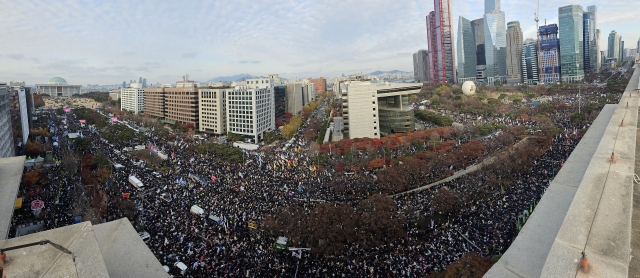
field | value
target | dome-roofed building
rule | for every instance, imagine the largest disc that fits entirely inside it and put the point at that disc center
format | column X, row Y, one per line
column 58, row 81
column 58, row 87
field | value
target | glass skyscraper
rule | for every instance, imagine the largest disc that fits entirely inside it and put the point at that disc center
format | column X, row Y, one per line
column 594, row 52
column 466, row 50
column 530, row 62
column 440, row 36
column 613, row 48
column 570, row 20
column 588, row 35
column 495, row 42
column 491, row 5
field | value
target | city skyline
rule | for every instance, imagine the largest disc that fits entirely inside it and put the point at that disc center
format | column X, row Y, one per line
column 106, row 43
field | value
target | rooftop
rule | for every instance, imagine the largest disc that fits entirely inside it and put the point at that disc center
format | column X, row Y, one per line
column 10, row 175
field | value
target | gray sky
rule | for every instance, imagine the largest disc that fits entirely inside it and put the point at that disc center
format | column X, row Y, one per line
column 107, row 42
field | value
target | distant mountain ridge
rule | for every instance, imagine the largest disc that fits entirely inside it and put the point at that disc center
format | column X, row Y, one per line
column 391, row 72
column 232, row 78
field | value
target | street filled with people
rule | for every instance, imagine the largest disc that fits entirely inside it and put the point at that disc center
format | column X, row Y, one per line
column 227, row 233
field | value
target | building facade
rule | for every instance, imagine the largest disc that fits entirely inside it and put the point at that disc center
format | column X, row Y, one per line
column 549, row 54
column 6, row 133
column 421, row 66
column 477, row 27
column 132, row 99
column 320, row 85
column 250, row 112
column 154, row 102
column 440, row 36
column 613, row 48
column 594, row 44
column 530, row 62
column 280, row 100
column 58, row 88
column 495, row 42
column 373, row 110
column 571, row 20
column 588, row 39
column 212, row 110
column 466, row 50
column 514, row 52
column 296, row 96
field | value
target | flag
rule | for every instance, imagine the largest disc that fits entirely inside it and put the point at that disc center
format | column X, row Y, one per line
column 126, row 195
column 297, row 254
column 213, row 178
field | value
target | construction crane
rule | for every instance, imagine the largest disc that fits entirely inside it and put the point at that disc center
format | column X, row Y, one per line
column 538, row 39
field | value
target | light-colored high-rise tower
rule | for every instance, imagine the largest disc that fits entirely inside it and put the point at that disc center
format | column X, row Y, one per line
column 514, row 51
column 594, row 52
column 570, row 20
column 6, row 134
column 495, row 44
column 495, row 40
column 597, row 52
column 440, row 34
column 491, row 5
column 588, row 39
column 613, row 47
column 466, row 50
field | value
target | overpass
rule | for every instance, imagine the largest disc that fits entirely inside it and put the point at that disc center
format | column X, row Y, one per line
column 588, row 207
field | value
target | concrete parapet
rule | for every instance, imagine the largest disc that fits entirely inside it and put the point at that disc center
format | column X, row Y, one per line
column 587, row 207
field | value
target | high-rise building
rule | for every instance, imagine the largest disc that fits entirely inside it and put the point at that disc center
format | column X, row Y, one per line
column 594, row 35
column 530, row 62
column 124, row 84
column 491, row 5
column 621, row 51
column 212, row 110
column 440, row 36
column 514, row 52
column 466, row 50
column 495, row 44
column 613, row 47
column 588, row 38
column 598, row 63
column 638, row 47
column 154, row 102
column 132, row 99
column 421, row 66
column 250, row 111
column 280, row 100
column 548, row 53
column 477, row 27
column 570, row 19
column 6, row 133
column 144, row 82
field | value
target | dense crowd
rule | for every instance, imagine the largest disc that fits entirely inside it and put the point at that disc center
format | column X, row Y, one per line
column 239, row 194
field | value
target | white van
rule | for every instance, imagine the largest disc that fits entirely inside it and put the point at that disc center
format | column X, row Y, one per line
column 182, row 267
column 197, row 210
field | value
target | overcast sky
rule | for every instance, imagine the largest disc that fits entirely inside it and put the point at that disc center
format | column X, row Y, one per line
column 107, row 42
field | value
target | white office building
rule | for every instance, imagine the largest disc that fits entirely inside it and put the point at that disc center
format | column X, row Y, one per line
column 212, row 110
column 250, row 110
column 373, row 109
column 132, row 98
column 6, row 133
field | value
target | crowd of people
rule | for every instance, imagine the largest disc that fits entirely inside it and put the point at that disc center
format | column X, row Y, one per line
column 238, row 195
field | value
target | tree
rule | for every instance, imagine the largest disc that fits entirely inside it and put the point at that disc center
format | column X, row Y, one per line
column 445, row 200
column 101, row 160
column 469, row 266
column 83, row 143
